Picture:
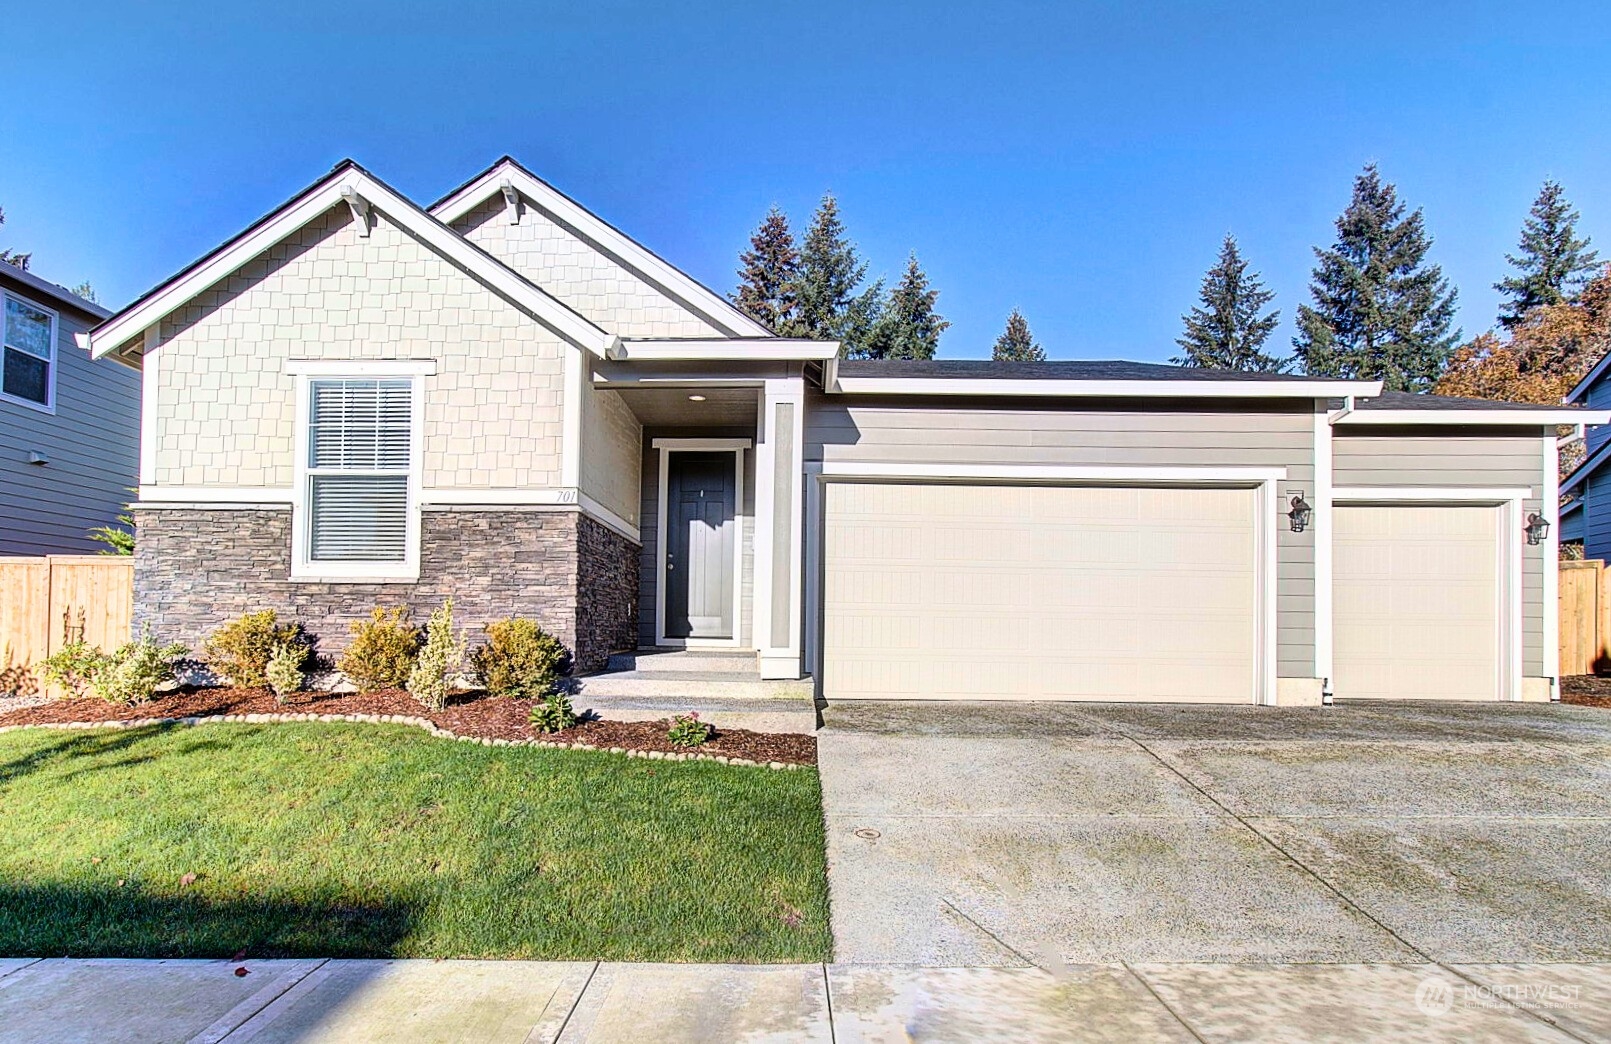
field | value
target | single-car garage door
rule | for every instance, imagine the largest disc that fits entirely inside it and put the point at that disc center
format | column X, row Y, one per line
column 942, row 591
column 1416, row 602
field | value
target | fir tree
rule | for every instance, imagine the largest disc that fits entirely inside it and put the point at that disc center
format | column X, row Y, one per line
column 1016, row 343
column 11, row 257
column 909, row 327
column 830, row 304
column 1380, row 310
column 1554, row 263
column 1226, row 332
column 766, row 282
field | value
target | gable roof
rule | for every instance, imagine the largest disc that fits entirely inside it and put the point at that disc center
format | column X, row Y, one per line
column 1589, row 379
column 131, row 322
column 57, row 293
column 660, row 273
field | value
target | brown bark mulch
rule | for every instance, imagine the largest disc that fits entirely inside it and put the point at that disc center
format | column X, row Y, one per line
column 1586, row 690
column 467, row 714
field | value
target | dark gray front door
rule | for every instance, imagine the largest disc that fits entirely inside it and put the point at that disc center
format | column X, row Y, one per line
column 700, row 532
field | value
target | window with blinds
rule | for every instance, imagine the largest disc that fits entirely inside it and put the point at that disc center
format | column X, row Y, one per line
column 359, row 443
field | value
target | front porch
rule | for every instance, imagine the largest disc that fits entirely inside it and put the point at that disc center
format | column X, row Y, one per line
column 719, row 520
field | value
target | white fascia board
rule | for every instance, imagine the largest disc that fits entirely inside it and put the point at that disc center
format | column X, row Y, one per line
column 567, row 210
column 1103, row 389
column 299, row 212
column 1524, row 418
column 769, row 349
column 1043, row 472
column 152, row 494
column 1422, row 494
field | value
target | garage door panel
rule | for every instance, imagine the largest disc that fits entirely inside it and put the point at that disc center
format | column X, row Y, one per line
column 1416, row 602
column 948, row 591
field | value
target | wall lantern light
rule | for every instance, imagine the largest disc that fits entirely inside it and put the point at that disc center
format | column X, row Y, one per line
column 1299, row 515
column 1537, row 528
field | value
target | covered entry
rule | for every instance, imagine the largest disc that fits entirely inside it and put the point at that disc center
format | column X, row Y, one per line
column 946, row 590
column 1422, row 602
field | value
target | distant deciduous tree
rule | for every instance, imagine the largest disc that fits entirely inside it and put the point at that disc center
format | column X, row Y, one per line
column 1227, row 331
column 1554, row 263
column 1016, row 343
column 87, row 292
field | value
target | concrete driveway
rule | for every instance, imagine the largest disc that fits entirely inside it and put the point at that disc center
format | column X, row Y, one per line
column 1046, row 834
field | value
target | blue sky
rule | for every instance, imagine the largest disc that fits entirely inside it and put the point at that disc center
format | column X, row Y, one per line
column 1080, row 161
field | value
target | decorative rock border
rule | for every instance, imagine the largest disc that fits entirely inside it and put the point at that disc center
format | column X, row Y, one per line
column 401, row 719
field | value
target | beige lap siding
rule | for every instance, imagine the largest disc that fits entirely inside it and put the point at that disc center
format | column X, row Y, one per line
column 226, row 411
column 1110, row 434
column 1471, row 458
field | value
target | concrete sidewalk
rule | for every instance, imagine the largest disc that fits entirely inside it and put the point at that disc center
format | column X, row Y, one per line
column 143, row 1002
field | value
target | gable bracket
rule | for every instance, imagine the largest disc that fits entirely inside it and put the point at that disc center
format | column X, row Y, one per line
column 511, row 199
column 359, row 207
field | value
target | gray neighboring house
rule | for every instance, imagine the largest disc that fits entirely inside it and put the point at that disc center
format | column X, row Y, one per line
column 502, row 398
column 69, row 425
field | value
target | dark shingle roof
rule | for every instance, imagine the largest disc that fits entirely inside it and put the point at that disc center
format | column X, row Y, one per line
column 1397, row 400
column 1058, row 370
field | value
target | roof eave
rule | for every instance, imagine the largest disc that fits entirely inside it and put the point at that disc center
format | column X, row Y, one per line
column 1108, row 389
column 1544, row 415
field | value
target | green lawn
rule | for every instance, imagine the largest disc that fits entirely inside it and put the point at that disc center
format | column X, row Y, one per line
column 340, row 840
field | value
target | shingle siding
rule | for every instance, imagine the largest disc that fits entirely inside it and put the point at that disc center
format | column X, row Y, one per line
column 91, row 443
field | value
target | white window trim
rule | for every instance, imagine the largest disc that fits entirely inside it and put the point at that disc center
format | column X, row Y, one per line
column 1512, row 623
column 303, row 568
column 1262, row 481
column 667, row 447
column 49, row 405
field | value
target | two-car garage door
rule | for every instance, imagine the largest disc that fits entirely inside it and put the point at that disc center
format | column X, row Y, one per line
column 948, row 591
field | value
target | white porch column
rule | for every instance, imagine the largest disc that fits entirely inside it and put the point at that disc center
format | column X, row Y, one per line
column 779, row 492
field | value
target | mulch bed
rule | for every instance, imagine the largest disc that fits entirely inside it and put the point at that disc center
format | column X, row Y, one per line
column 1586, row 690
column 467, row 714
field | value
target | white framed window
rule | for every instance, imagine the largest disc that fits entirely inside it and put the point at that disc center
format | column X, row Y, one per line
column 356, row 507
column 28, row 366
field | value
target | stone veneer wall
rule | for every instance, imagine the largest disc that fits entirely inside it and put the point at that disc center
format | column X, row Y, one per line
column 197, row 568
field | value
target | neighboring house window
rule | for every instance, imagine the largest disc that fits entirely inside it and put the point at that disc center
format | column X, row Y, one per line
column 358, row 481
column 28, row 374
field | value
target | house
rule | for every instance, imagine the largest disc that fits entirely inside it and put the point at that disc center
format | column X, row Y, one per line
column 504, row 399
column 1586, row 517
column 69, row 427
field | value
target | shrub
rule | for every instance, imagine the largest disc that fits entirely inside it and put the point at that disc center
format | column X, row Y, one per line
column 443, row 654
column 520, row 659
column 284, row 671
column 130, row 674
column 553, row 713
column 383, row 650
column 240, row 649
column 688, row 731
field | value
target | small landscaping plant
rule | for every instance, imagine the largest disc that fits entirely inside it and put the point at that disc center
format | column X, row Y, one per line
column 553, row 713
column 132, row 673
column 240, row 650
column 383, row 650
column 688, row 731
column 520, row 659
column 442, row 655
column 284, row 671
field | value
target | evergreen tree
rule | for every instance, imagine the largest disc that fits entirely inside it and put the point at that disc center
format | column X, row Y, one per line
column 766, row 282
column 1226, row 332
column 1380, row 310
column 909, row 327
column 11, row 257
column 1554, row 263
column 1016, row 343
column 830, row 304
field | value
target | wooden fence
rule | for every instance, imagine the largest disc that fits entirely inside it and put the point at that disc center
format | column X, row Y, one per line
column 45, row 602
column 1585, row 618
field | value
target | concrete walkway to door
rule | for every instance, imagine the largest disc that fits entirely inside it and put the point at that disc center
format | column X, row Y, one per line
column 519, row 1002
column 1001, row 834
